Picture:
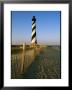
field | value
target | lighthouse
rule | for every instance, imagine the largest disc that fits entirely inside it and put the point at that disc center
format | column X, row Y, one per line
column 33, row 35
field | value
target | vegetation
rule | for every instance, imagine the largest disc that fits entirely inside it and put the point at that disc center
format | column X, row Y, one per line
column 46, row 65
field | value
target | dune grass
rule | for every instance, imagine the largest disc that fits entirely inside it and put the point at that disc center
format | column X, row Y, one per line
column 45, row 66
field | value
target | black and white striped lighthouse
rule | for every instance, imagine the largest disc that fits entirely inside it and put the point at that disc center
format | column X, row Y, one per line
column 33, row 35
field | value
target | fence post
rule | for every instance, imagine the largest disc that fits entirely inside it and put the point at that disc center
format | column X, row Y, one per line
column 23, row 59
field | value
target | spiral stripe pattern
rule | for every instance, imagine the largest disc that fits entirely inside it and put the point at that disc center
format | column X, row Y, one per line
column 33, row 36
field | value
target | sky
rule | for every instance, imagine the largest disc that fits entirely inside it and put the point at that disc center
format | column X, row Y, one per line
column 47, row 27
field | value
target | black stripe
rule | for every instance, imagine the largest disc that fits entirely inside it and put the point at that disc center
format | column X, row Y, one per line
column 33, row 28
column 33, row 23
column 33, row 35
column 36, row 41
column 33, row 20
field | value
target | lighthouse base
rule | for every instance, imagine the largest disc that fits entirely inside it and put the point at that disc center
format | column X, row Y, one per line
column 34, row 45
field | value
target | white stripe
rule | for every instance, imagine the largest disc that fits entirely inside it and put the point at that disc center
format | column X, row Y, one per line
column 33, row 40
column 33, row 32
column 32, row 22
column 33, row 25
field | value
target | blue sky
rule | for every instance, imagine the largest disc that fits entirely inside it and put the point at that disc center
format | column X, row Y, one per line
column 47, row 27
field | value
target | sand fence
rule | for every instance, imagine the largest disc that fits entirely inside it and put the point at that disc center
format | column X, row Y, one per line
column 21, row 61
